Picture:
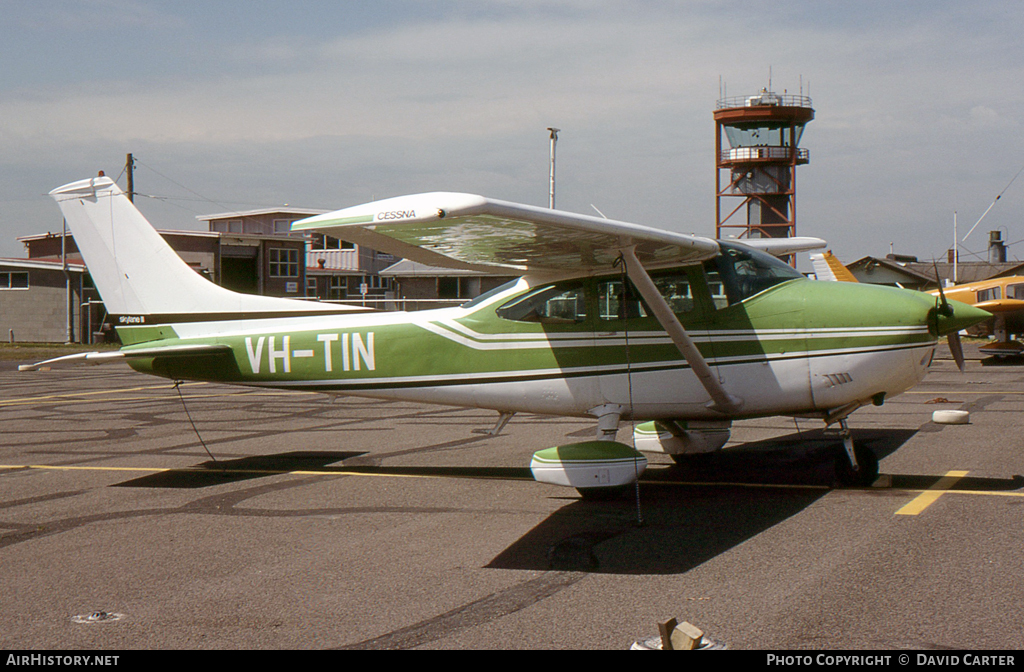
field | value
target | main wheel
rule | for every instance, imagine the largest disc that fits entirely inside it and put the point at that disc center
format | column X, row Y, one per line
column 693, row 460
column 867, row 467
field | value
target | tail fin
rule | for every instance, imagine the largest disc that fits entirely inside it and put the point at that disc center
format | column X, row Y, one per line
column 827, row 267
column 140, row 277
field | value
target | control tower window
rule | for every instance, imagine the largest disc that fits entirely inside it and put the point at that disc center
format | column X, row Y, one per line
column 759, row 134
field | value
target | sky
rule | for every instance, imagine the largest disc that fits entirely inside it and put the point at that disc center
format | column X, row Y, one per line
column 230, row 105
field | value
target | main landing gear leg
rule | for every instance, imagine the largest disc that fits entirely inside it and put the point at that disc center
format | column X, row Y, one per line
column 608, row 418
column 855, row 465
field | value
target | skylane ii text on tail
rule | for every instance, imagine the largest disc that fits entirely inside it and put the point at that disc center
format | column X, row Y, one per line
column 717, row 331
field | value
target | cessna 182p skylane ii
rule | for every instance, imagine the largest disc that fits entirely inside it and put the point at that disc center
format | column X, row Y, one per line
column 720, row 330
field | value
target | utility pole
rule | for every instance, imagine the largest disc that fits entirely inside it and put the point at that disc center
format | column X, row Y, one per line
column 129, row 167
column 551, row 179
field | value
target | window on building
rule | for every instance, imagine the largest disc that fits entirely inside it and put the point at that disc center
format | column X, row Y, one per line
column 337, row 287
column 283, row 226
column 321, row 242
column 447, row 288
column 377, row 282
column 14, row 280
column 284, row 262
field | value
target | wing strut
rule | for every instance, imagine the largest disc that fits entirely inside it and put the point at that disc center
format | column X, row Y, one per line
column 721, row 401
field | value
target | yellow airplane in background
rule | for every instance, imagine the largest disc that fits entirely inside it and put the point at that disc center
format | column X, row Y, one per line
column 1004, row 298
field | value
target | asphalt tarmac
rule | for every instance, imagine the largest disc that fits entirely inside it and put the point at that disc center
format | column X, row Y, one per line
column 307, row 522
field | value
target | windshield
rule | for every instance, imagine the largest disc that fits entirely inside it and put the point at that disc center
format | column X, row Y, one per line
column 743, row 272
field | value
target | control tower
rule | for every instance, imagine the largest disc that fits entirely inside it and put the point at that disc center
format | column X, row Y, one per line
column 763, row 133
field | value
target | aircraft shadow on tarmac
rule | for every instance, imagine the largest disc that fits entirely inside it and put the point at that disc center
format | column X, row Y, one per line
column 1013, row 360
column 690, row 512
column 219, row 472
column 694, row 512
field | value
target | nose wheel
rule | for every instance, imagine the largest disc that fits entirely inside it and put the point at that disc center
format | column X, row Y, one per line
column 855, row 465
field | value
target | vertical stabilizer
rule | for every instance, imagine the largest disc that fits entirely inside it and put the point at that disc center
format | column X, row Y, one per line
column 139, row 275
column 827, row 267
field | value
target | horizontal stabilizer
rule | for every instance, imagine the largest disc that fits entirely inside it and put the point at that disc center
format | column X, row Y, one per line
column 827, row 267
column 76, row 358
column 187, row 351
column 780, row 247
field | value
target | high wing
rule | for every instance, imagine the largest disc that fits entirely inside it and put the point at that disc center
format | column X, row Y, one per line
column 468, row 231
column 475, row 233
column 1001, row 305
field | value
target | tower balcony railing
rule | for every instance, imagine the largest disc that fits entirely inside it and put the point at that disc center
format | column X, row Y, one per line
column 765, row 98
column 764, row 154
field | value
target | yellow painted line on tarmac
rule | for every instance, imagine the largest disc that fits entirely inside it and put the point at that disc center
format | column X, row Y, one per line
column 73, row 396
column 932, row 494
column 57, row 467
column 924, row 499
column 76, row 397
column 966, row 391
column 266, row 472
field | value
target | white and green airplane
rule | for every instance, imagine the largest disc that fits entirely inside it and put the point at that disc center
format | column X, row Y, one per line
column 609, row 320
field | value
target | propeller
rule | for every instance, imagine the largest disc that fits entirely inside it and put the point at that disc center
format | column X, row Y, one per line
column 943, row 308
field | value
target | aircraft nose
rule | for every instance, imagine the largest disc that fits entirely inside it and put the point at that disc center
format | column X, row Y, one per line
column 959, row 316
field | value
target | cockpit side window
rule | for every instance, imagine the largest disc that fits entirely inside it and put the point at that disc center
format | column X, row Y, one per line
column 551, row 304
column 614, row 302
column 990, row 294
column 739, row 273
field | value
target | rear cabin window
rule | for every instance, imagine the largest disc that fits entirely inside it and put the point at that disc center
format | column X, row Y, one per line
column 554, row 304
column 615, row 303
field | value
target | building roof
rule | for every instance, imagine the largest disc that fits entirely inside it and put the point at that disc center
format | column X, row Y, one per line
column 903, row 269
column 174, row 232
column 42, row 265
column 924, row 273
column 967, row 271
column 304, row 212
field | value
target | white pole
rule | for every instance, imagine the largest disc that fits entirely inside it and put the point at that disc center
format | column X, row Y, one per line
column 551, row 176
column 956, row 253
column 69, row 328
